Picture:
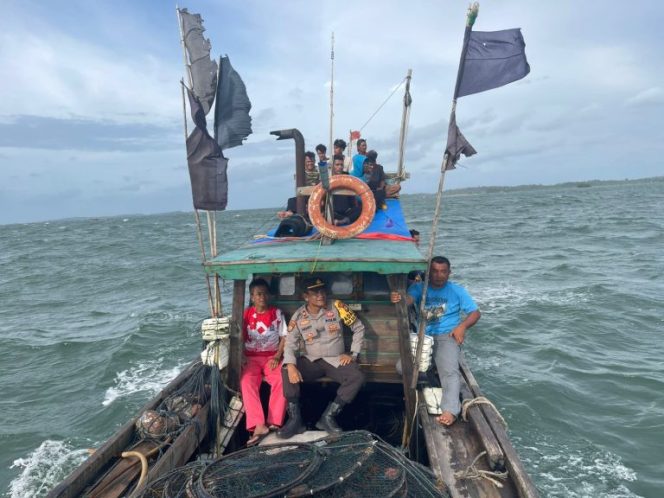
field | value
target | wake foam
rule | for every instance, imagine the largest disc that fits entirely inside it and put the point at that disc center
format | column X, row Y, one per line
column 44, row 468
column 145, row 377
column 508, row 297
column 574, row 473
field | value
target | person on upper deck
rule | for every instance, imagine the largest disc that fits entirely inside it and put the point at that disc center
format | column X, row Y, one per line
column 311, row 178
column 339, row 148
column 264, row 333
column 321, row 152
column 375, row 178
column 378, row 179
column 358, row 159
column 445, row 304
column 311, row 173
column 347, row 209
column 319, row 324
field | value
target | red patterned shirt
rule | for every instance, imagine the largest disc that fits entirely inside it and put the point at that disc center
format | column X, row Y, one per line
column 262, row 331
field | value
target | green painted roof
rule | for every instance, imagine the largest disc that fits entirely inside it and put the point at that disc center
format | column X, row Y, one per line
column 381, row 256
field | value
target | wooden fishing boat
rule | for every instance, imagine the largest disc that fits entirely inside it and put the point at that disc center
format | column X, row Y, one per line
column 190, row 438
column 470, row 458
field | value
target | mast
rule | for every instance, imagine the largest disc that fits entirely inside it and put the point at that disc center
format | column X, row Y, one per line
column 470, row 20
column 331, row 148
column 405, row 116
column 211, row 300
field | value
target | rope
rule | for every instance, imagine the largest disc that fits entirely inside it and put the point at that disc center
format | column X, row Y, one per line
column 144, row 468
column 315, row 262
column 480, row 400
column 473, row 472
column 384, row 102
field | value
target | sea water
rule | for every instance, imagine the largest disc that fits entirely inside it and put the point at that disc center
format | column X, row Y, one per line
column 96, row 315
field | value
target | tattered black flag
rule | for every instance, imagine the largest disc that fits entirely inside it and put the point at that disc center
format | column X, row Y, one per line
column 207, row 164
column 456, row 144
column 203, row 69
column 492, row 59
column 231, row 114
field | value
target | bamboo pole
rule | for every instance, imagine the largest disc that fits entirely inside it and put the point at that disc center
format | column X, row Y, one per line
column 405, row 116
column 199, row 231
column 470, row 20
column 331, row 149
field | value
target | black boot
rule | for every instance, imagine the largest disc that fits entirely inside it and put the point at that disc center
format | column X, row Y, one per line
column 327, row 421
column 294, row 424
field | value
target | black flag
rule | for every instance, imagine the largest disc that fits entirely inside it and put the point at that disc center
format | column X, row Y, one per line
column 456, row 144
column 232, row 122
column 203, row 69
column 207, row 164
column 493, row 59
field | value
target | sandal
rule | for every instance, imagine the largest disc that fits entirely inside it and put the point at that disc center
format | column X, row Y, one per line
column 273, row 427
column 256, row 438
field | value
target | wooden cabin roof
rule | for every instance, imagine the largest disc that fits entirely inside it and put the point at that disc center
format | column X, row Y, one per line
column 307, row 256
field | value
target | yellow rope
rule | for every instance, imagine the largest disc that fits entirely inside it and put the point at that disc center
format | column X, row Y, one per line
column 480, row 400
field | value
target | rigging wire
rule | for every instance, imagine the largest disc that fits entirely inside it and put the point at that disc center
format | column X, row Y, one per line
column 383, row 104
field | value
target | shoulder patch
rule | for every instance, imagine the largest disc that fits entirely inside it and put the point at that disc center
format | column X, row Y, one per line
column 291, row 325
column 345, row 313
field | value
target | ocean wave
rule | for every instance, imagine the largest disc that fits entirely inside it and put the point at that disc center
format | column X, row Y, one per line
column 44, row 468
column 509, row 296
column 599, row 474
column 148, row 376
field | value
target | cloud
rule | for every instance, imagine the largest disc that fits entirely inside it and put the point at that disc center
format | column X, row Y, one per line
column 41, row 132
column 651, row 96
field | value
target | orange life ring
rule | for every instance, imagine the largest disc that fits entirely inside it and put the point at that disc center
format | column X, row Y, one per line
column 326, row 228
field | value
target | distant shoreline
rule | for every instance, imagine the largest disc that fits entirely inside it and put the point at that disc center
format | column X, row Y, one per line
column 580, row 184
column 452, row 192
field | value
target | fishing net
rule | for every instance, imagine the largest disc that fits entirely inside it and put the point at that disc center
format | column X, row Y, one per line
column 259, row 471
column 180, row 408
column 178, row 483
column 351, row 464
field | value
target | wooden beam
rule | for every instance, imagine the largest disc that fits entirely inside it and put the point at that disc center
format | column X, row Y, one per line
column 236, row 344
column 494, row 453
column 518, row 474
column 397, row 283
column 306, row 191
column 439, row 449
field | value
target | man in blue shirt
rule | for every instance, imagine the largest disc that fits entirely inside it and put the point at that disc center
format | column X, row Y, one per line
column 445, row 304
column 358, row 159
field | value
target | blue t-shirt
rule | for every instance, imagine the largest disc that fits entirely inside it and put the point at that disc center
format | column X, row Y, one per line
column 443, row 306
column 358, row 165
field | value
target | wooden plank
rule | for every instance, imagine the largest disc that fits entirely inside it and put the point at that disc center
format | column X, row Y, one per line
column 236, row 343
column 122, row 475
column 495, row 454
column 309, row 188
column 440, row 449
column 87, row 472
column 397, row 283
column 230, row 424
column 452, row 450
column 518, row 474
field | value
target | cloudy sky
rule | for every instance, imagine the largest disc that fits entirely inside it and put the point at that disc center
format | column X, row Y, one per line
column 91, row 115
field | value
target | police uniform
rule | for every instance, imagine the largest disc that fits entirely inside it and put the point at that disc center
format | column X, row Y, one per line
column 322, row 335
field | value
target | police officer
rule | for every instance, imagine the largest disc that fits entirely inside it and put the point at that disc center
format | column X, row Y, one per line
column 319, row 324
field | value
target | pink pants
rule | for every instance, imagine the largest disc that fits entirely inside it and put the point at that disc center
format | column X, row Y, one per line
column 257, row 368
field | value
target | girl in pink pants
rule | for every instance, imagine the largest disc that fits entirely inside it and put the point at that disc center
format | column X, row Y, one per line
column 264, row 333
